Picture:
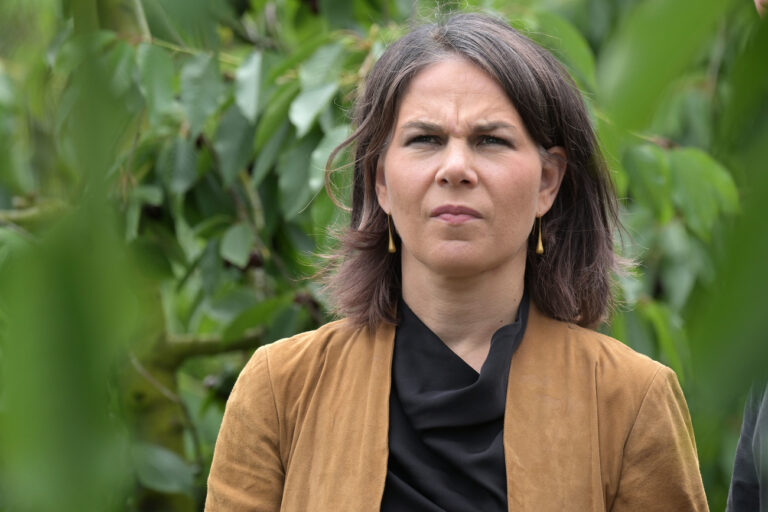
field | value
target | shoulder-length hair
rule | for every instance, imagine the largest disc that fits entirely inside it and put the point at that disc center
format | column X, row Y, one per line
column 571, row 281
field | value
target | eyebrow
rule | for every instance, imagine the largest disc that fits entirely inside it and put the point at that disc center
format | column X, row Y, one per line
column 482, row 127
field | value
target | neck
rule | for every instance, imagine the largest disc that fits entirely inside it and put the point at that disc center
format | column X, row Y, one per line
column 465, row 311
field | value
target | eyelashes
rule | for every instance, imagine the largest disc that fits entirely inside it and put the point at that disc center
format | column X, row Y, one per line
column 479, row 140
column 424, row 139
column 491, row 140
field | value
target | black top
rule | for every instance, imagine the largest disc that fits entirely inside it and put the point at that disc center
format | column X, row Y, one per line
column 446, row 422
column 749, row 484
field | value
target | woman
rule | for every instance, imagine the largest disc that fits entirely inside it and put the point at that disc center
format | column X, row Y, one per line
column 463, row 376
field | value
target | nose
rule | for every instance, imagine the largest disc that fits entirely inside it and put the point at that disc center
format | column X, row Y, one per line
column 456, row 168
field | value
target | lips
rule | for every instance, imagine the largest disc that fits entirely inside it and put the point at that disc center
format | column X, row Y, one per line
column 454, row 214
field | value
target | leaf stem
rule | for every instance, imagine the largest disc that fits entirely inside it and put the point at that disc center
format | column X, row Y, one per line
column 223, row 57
column 141, row 18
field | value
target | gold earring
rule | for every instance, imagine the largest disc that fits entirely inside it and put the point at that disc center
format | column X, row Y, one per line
column 539, row 245
column 392, row 249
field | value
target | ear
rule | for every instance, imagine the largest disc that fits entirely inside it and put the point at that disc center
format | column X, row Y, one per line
column 381, row 187
column 552, row 172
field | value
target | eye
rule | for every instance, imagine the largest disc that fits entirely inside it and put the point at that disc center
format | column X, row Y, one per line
column 424, row 139
column 491, row 140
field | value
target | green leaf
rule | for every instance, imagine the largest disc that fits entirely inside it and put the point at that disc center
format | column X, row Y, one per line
column 177, row 165
column 293, row 177
column 560, row 37
column 669, row 335
column 201, row 90
column 140, row 195
column 7, row 90
column 162, row 470
column 321, row 153
column 156, row 80
column 681, row 263
column 230, row 301
column 308, row 104
column 233, row 144
column 237, row 243
column 149, row 194
column 324, row 214
column 648, row 51
column 610, row 138
column 648, row 169
column 184, row 234
column 260, row 314
column 212, row 225
column 183, row 22
column 275, row 113
column 10, row 242
column 637, row 333
column 322, row 67
column 268, row 154
column 247, row 84
column 702, row 189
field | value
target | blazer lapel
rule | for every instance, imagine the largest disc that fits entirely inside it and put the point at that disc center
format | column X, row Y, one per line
column 550, row 423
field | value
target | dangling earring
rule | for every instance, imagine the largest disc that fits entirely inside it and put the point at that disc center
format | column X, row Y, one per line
column 392, row 249
column 539, row 245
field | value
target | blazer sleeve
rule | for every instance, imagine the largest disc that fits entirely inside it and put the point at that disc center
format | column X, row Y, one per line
column 247, row 471
column 660, row 468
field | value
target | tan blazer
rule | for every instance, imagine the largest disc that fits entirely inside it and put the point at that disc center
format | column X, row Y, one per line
column 590, row 425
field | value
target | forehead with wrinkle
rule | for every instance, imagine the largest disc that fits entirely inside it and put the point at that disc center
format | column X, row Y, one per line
column 457, row 96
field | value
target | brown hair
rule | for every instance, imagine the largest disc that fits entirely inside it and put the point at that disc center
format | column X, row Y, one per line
column 571, row 280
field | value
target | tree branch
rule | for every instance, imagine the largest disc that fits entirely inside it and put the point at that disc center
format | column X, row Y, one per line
column 32, row 215
column 176, row 348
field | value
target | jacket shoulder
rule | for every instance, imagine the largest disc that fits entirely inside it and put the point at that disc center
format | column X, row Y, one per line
column 300, row 365
column 601, row 351
column 577, row 357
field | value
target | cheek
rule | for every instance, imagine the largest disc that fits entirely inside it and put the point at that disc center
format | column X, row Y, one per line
column 518, row 197
column 405, row 186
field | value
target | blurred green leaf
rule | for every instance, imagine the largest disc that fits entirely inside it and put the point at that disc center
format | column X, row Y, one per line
column 11, row 241
column 162, row 470
column 275, row 113
column 701, row 188
column 201, row 90
column 322, row 67
column 268, row 154
column 247, row 86
column 177, row 164
column 255, row 316
column 237, row 243
column 148, row 194
column 293, row 176
column 182, row 22
column 308, row 105
column 321, row 153
column 648, row 169
column 156, row 79
column 666, row 328
column 234, row 143
column 560, row 37
column 140, row 195
column 648, row 51
column 681, row 265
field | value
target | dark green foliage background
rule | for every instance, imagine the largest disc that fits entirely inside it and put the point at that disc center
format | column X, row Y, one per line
column 161, row 203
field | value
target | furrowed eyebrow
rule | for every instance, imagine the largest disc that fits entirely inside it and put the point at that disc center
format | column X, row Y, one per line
column 489, row 127
column 479, row 128
column 422, row 125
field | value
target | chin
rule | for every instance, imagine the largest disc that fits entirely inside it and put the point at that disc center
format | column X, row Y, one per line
column 464, row 260
column 461, row 264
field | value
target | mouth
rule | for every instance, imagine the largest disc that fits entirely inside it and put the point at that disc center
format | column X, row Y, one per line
column 454, row 214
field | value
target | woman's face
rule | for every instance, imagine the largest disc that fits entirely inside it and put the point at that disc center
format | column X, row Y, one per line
column 461, row 177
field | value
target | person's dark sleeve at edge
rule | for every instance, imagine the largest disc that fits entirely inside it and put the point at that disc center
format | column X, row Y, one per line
column 749, row 485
